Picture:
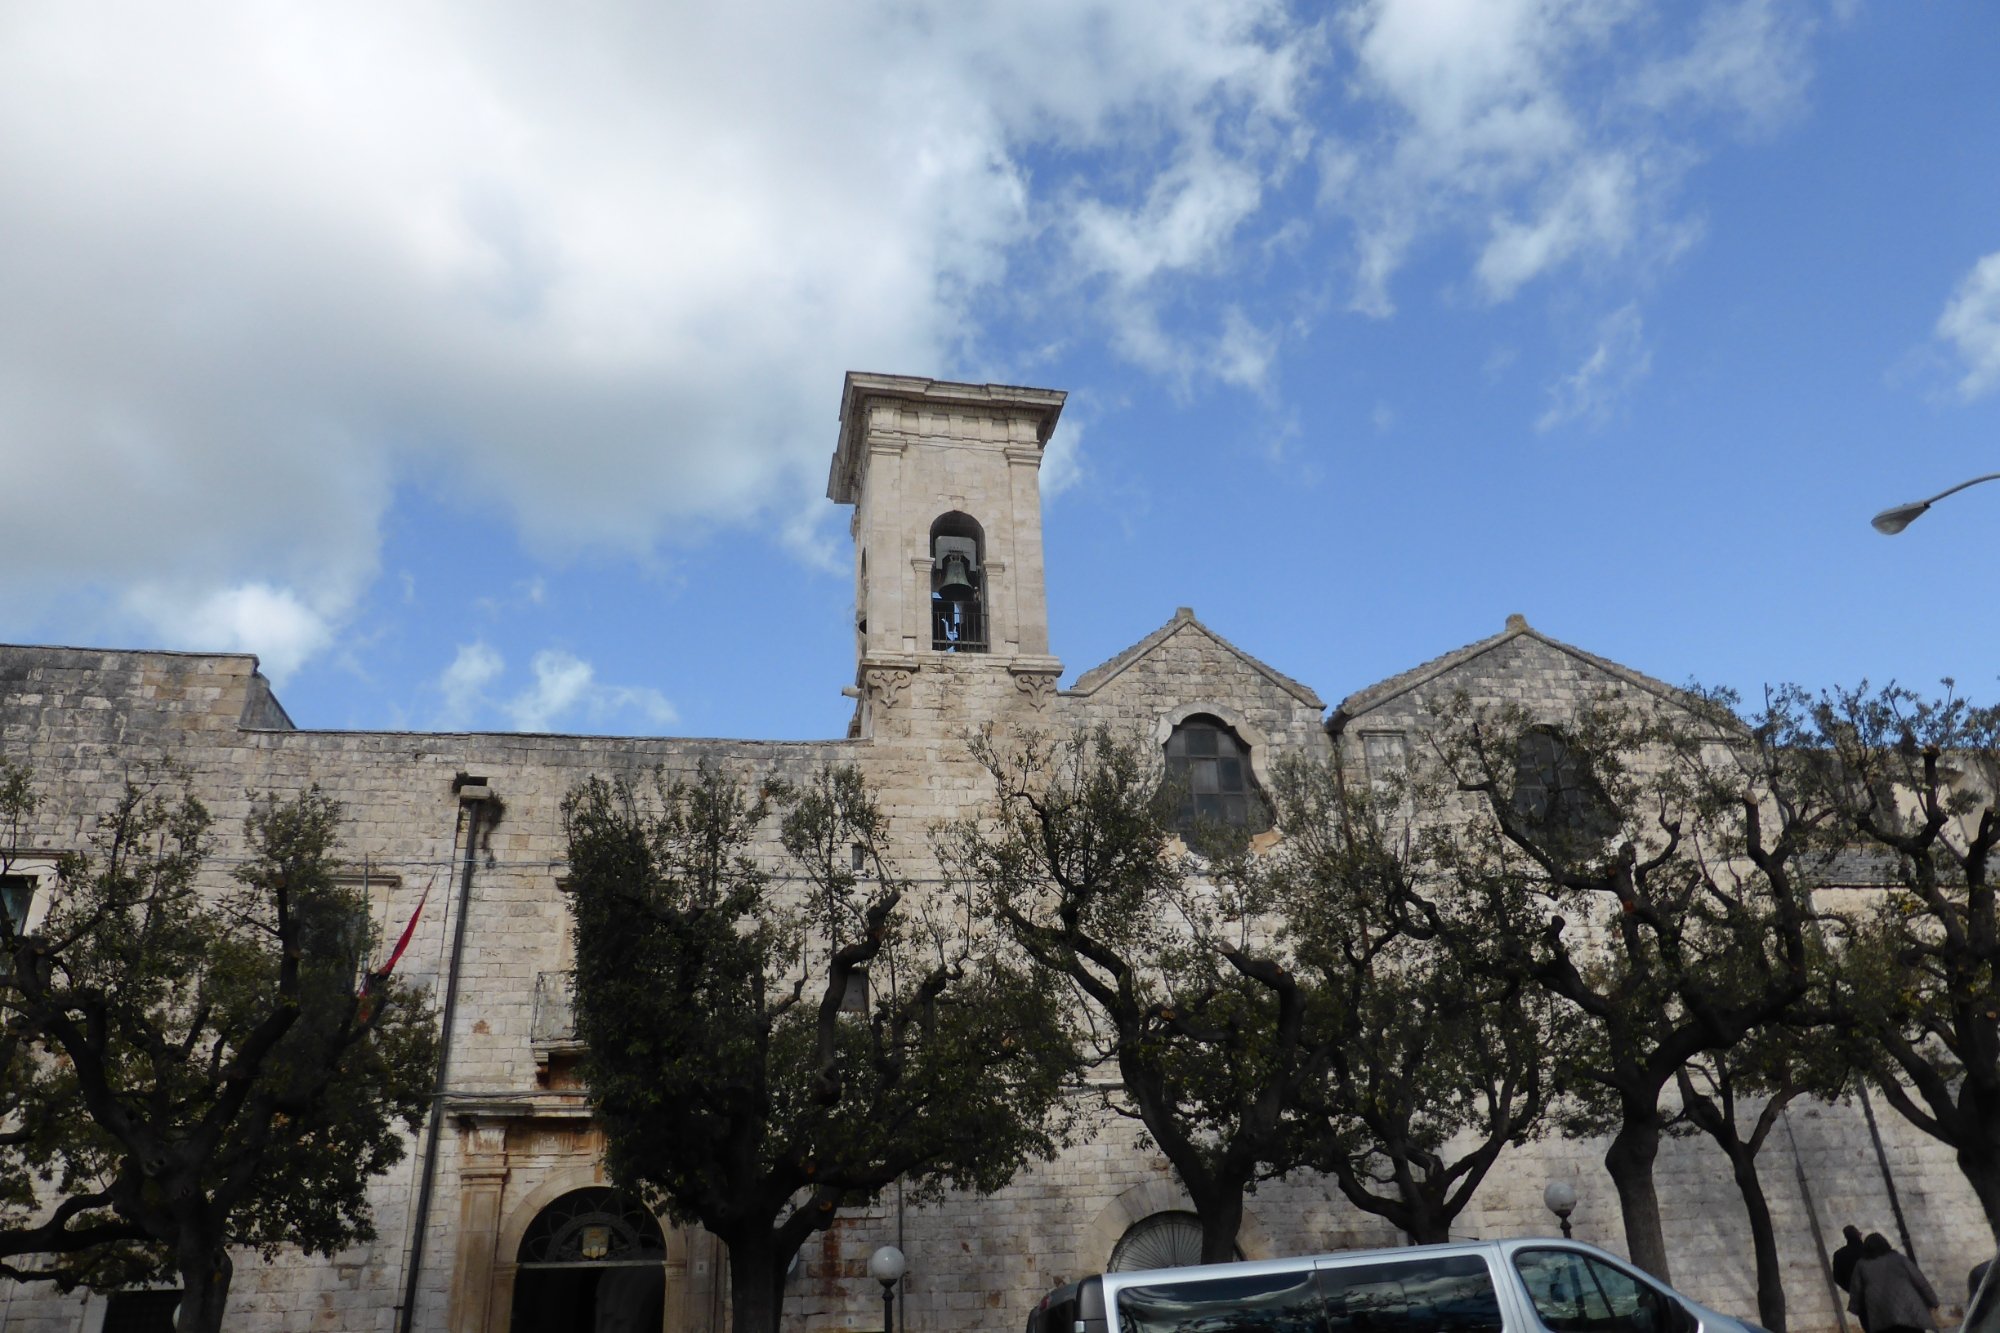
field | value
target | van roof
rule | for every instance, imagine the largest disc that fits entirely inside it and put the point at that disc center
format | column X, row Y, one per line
column 1499, row 1249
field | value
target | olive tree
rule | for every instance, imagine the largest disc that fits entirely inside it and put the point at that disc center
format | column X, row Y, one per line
column 194, row 1067
column 765, row 1043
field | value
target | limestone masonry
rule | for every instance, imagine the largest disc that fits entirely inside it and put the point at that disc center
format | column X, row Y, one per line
column 951, row 632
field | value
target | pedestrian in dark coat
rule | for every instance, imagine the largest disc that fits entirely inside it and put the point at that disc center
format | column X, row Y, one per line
column 1847, row 1256
column 1889, row 1292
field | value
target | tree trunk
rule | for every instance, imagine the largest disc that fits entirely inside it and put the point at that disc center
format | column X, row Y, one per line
column 1630, row 1159
column 1981, row 1168
column 755, row 1284
column 1221, row 1214
column 1763, row 1240
column 1428, row 1228
column 205, row 1270
column 1427, row 1223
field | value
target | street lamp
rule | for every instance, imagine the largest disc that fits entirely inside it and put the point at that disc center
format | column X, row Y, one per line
column 1560, row 1199
column 886, row 1266
column 1892, row 521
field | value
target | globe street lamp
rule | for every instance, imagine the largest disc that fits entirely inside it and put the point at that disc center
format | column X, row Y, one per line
column 1560, row 1199
column 1892, row 521
column 886, row 1266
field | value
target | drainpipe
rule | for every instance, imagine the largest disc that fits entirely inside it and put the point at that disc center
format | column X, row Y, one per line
column 1833, row 1292
column 472, row 794
column 1882, row 1161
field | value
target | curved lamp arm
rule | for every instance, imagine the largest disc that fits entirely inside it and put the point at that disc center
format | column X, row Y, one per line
column 1892, row 521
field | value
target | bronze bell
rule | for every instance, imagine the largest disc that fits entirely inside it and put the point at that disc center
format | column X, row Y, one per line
column 956, row 584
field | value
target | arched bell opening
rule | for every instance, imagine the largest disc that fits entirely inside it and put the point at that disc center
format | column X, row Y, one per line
column 958, row 585
column 593, row 1261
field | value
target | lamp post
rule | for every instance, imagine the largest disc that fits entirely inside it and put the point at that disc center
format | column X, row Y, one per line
column 1560, row 1199
column 1892, row 521
column 886, row 1266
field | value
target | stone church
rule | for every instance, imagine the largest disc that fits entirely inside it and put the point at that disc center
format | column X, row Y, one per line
column 951, row 631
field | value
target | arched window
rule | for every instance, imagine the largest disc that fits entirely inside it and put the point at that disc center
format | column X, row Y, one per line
column 958, row 585
column 1208, row 773
column 593, row 1259
column 1554, row 791
column 1164, row 1240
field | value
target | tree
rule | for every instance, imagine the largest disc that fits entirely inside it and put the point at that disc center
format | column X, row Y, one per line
column 1677, row 839
column 1915, row 783
column 202, row 1072
column 1425, row 1049
column 1205, row 1022
column 1779, row 1063
column 742, row 1079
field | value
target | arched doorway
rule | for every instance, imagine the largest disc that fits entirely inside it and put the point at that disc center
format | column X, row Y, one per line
column 1164, row 1240
column 591, row 1262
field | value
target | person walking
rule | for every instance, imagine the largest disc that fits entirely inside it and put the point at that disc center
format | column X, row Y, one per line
column 1889, row 1292
column 1847, row 1256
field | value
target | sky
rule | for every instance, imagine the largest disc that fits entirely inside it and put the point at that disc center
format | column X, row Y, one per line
column 477, row 363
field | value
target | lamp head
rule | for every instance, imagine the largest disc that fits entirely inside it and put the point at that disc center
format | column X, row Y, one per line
column 1560, row 1198
column 1892, row 521
column 886, row 1265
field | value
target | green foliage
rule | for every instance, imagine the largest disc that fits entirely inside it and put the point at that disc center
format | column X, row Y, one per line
column 200, row 1071
column 1435, row 1061
column 1171, row 952
column 1669, row 909
column 734, row 1089
column 1914, row 783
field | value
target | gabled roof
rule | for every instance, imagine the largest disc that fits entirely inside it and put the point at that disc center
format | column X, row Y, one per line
column 1361, row 701
column 1184, row 622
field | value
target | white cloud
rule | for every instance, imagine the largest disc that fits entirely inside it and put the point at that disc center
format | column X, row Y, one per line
column 1617, row 363
column 255, row 618
column 1592, row 209
column 265, row 263
column 1062, row 458
column 1558, row 128
column 1746, row 59
column 1971, row 322
column 566, row 687
column 463, row 684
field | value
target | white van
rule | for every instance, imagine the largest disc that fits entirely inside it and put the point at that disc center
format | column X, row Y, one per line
column 1506, row 1286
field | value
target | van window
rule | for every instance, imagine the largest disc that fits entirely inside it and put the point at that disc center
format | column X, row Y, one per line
column 1448, row 1294
column 1250, row 1303
column 1574, row 1293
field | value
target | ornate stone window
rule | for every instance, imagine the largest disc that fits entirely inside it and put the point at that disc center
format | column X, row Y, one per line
column 1555, row 792
column 17, row 894
column 24, row 896
column 1209, row 776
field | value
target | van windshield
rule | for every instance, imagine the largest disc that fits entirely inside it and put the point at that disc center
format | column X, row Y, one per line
column 1574, row 1293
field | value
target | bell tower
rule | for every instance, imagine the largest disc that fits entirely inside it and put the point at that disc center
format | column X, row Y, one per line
column 945, row 480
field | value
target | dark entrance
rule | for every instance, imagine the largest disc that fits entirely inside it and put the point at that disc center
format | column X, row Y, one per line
column 591, row 1262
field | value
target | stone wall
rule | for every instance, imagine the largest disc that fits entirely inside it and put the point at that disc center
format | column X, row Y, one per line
column 86, row 720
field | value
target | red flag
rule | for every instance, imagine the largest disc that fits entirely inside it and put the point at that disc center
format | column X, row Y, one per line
column 369, row 982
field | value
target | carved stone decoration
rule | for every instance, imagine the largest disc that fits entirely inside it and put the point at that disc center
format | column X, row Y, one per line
column 887, row 686
column 1038, row 688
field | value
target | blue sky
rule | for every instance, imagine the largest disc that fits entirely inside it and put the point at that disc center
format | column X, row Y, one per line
column 477, row 365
